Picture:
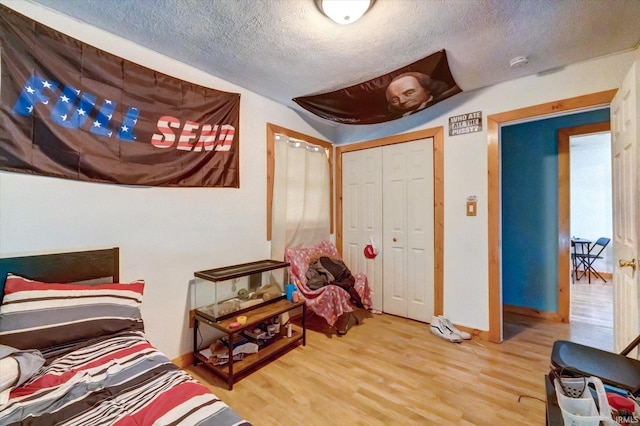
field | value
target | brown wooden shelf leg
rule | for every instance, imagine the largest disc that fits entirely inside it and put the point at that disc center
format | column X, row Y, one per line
column 195, row 341
column 304, row 325
column 230, row 344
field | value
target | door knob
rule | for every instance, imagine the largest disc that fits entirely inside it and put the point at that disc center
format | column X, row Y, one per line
column 631, row 263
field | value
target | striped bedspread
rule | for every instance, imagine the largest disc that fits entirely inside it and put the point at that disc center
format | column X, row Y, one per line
column 117, row 380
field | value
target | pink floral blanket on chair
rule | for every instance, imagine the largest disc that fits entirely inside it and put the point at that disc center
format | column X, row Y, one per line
column 330, row 301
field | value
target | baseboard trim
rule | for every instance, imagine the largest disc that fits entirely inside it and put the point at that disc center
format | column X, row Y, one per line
column 606, row 275
column 474, row 332
column 530, row 312
column 183, row 361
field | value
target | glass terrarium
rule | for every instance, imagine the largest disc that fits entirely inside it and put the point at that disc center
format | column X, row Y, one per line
column 224, row 292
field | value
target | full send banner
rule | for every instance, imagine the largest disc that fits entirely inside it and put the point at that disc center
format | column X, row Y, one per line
column 402, row 92
column 72, row 111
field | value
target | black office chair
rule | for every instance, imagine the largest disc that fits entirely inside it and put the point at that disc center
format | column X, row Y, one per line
column 613, row 369
column 587, row 259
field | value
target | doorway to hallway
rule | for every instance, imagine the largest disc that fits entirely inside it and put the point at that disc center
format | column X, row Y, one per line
column 495, row 124
column 536, row 189
column 591, row 301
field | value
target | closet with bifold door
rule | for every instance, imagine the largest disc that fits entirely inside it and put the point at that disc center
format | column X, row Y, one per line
column 388, row 196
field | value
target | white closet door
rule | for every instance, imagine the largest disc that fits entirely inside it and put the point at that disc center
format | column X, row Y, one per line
column 362, row 215
column 408, row 229
column 395, row 229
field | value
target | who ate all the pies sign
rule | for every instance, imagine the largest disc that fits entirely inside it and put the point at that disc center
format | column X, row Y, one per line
column 465, row 123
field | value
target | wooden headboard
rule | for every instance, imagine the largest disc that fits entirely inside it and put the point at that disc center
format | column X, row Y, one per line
column 63, row 267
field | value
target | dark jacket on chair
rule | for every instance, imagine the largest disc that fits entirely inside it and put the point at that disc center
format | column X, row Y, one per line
column 327, row 270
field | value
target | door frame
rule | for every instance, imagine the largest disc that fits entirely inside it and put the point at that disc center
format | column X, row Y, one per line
column 564, row 211
column 437, row 133
column 494, row 190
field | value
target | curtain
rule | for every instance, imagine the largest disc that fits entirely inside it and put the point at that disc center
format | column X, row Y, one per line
column 301, row 195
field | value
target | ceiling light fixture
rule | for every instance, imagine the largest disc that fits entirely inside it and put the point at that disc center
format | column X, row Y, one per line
column 344, row 11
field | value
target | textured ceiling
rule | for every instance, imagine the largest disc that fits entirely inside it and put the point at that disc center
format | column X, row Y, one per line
column 286, row 48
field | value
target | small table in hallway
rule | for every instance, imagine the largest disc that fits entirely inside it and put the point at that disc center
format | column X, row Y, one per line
column 579, row 246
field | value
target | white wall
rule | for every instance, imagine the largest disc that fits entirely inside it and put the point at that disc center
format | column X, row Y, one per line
column 165, row 234
column 591, row 203
column 465, row 168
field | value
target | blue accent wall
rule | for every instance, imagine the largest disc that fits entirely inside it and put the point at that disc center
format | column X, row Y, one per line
column 530, row 209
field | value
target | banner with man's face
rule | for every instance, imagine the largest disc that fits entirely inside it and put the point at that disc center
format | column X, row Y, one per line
column 399, row 93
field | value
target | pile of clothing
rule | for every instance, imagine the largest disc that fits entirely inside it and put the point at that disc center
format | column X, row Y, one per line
column 329, row 271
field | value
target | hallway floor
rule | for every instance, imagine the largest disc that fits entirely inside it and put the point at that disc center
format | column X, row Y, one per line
column 592, row 303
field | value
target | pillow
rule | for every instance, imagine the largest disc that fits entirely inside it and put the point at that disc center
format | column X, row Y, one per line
column 16, row 367
column 38, row 315
column 9, row 374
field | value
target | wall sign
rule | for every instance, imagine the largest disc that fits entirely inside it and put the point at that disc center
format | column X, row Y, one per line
column 465, row 123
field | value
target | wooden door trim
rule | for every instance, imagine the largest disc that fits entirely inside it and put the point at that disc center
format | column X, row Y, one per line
column 437, row 133
column 564, row 211
column 494, row 122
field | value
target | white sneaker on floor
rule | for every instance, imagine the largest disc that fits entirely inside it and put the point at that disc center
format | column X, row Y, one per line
column 437, row 327
column 446, row 323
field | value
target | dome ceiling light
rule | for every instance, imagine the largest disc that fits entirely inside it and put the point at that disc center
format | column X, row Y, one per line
column 344, row 11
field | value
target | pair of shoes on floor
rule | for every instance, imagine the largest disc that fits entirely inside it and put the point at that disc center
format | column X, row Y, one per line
column 442, row 326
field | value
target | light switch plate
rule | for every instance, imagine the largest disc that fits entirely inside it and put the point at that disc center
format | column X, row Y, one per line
column 471, row 208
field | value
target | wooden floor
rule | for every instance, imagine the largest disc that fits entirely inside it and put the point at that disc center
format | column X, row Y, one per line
column 393, row 371
column 592, row 303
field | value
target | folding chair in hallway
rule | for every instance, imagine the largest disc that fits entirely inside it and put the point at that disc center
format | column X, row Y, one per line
column 578, row 246
column 589, row 258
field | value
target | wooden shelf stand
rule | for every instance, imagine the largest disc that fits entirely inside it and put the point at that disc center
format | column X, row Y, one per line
column 232, row 371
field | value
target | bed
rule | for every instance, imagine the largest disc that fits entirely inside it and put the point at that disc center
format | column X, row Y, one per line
column 77, row 338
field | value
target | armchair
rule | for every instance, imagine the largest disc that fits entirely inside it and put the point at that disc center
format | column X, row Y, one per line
column 331, row 301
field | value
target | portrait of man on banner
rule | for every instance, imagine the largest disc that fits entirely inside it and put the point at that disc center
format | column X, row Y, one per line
column 411, row 92
column 397, row 94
